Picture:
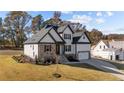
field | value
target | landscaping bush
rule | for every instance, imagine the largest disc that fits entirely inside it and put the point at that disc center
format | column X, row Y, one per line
column 71, row 58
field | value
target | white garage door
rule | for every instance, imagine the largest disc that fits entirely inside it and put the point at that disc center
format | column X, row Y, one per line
column 83, row 55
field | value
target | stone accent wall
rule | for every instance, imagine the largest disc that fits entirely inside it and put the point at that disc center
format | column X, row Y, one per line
column 42, row 55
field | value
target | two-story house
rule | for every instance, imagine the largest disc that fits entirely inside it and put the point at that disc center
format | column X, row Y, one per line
column 58, row 42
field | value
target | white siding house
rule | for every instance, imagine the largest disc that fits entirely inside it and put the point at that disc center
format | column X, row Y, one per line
column 58, row 42
column 82, row 45
column 32, row 50
column 67, row 36
column 108, row 50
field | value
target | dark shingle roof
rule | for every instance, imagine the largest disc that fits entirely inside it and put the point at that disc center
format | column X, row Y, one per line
column 61, row 29
column 35, row 39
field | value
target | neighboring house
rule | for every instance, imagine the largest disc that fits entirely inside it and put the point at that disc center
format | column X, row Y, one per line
column 112, row 50
column 58, row 42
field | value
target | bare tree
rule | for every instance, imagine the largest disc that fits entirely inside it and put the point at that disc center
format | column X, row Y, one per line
column 57, row 14
column 15, row 23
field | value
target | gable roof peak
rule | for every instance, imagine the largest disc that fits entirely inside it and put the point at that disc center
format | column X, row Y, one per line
column 106, row 42
column 61, row 29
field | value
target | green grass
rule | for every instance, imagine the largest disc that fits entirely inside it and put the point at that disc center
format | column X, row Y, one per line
column 11, row 70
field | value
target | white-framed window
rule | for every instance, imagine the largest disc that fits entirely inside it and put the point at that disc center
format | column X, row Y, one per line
column 67, row 36
column 100, row 47
column 67, row 48
column 83, row 37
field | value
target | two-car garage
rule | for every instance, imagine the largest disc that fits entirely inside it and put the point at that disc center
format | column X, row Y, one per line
column 82, row 45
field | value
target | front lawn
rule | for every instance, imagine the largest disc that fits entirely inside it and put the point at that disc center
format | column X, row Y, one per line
column 11, row 70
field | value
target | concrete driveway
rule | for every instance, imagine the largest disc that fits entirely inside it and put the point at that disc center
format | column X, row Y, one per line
column 105, row 66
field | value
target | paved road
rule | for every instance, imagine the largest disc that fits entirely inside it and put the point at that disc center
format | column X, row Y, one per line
column 105, row 66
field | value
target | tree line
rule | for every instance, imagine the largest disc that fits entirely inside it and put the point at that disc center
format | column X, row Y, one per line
column 14, row 28
column 17, row 26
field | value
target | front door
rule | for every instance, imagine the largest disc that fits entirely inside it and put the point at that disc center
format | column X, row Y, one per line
column 58, row 49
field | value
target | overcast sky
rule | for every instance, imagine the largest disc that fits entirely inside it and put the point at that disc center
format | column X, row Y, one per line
column 106, row 21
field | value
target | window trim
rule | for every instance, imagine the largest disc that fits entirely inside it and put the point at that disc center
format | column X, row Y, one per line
column 68, row 48
column 47, row 48
column 67, row 36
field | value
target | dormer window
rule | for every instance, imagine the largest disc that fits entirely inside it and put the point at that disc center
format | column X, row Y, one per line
column 67, row 36
column 83, row 37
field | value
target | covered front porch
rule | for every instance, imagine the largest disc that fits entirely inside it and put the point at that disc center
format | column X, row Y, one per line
column 50, row 52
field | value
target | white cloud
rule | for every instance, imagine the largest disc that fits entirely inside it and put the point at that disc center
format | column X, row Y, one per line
column 83, row 19
column 109, row 13
column 66, row 12
column 100, row 20
column 99, row 14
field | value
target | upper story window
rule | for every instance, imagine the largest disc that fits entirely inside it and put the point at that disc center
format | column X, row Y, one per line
column 100, row 47
column 83, row 37
column 67, row 48
column 47, row 48
column 67, row 36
